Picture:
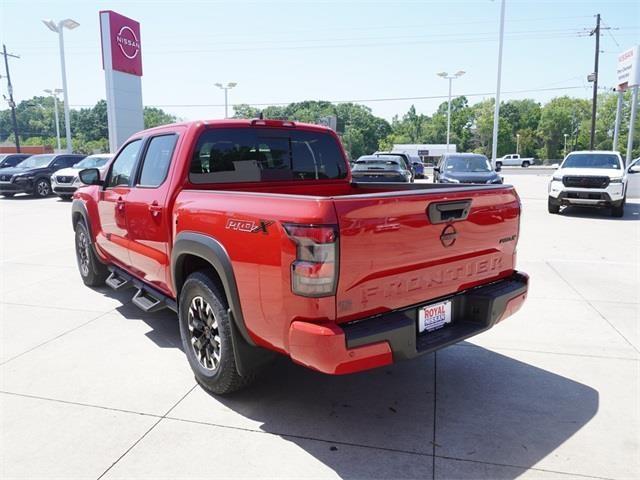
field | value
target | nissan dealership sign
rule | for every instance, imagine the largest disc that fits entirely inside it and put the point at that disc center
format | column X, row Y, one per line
column 628, row 71
column 124, row 43
column 122, row 63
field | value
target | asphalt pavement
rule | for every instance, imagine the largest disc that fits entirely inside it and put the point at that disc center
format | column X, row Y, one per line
column 91, row 387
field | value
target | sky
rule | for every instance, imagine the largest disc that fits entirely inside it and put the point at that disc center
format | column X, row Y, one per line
column 381, row 53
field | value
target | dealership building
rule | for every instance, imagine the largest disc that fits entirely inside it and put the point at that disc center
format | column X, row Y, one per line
column 429, row 153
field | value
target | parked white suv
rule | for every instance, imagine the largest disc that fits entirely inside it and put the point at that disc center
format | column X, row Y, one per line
column 66, row 181
column 589, row 179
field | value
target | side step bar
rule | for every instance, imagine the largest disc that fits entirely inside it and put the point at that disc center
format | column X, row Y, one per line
column 145, row 301
column 117, row 282
column 146, row 297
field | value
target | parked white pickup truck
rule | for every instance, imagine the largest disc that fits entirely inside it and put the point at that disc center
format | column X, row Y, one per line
column 514, row 159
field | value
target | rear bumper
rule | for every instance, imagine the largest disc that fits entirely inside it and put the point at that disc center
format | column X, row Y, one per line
column 388, row 338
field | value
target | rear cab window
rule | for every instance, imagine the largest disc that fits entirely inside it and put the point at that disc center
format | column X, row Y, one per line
column 265, row 154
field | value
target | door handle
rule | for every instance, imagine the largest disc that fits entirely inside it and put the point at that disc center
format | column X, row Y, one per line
column 155, row 209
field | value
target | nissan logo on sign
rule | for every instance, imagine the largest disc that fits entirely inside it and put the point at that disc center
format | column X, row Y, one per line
column 128, row 42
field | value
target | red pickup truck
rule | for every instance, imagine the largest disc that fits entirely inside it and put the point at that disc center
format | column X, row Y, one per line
column 254, row 233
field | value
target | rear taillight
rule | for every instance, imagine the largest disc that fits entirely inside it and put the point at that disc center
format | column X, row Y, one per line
column 314, row 272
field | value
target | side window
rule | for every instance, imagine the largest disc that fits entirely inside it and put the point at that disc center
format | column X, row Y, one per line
column 71, row 161
column 58, row 163
column 122, row 167
column 157, row 160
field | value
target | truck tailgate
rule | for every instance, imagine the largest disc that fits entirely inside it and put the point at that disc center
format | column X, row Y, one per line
column 406, row 248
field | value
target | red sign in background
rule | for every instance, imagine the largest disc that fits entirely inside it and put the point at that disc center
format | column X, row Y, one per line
column 126, row 50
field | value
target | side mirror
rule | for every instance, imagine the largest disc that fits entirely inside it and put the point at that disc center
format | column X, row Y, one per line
column 634, row 169
column 498, row 167
column 90, row 176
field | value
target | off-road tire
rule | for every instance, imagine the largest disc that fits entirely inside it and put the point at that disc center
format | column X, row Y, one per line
column 552, row 206
column 92, row 271
column 200, row 350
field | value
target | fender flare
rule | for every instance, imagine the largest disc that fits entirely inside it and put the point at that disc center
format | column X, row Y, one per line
column 212, row 251
column 78, row 208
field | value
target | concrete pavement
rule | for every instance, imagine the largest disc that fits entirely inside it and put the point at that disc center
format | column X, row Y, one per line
column 91, row 387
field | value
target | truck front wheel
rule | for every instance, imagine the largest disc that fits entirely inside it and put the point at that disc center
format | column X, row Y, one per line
column 525, row 164
column 92, row 271
column 553, row 206
column 206, row 335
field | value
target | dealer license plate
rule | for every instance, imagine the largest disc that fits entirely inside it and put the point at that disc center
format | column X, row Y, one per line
column 435, row 316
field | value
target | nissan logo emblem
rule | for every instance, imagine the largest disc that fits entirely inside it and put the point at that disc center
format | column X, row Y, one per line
column 128, row 42
column 448, row 236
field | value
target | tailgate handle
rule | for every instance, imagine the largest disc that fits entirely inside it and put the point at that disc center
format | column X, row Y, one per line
column 443, row 212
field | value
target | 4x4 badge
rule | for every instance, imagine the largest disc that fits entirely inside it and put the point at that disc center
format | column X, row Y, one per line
column 448, row 236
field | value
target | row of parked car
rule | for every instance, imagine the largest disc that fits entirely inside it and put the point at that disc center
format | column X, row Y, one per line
column 44, row 174
column 401, row 167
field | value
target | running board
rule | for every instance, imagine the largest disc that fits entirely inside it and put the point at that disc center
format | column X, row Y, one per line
column 147, row 298
column 144, row 300
column 116, row 281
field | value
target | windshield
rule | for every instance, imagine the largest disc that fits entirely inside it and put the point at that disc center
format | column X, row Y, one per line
column 36, row 161
column 591, row 160
column 92, row 162
column 467, row 164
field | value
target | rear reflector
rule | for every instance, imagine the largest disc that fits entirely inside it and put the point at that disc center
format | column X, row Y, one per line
column 314, row 272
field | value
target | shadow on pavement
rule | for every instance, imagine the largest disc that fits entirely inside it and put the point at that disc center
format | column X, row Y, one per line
column 490, row 408
column 631, row 212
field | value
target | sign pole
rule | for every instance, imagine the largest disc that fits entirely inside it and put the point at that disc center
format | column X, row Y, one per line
column 616, row 128
column 632, row 121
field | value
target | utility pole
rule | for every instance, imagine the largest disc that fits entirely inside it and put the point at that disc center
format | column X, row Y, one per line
column 12, row 104
column 594, row 106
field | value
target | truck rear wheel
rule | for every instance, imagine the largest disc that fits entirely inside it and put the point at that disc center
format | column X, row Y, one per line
column 92, row 271
column 206, row 336
column 553, row 206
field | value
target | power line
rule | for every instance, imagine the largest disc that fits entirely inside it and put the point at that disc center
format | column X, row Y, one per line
column 361, row 100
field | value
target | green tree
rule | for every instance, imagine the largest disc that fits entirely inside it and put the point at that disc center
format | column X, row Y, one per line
column 559, row 116
column 154, row 117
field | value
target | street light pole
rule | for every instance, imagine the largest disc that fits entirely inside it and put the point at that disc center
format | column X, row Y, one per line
column 54, row 93
column 517, row 143
column 446, row 76
column 59, row 29
column 565, row 144
column 496, row 112
column 226, row 89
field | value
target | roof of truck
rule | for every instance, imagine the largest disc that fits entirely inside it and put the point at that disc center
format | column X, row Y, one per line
column 242, row 122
